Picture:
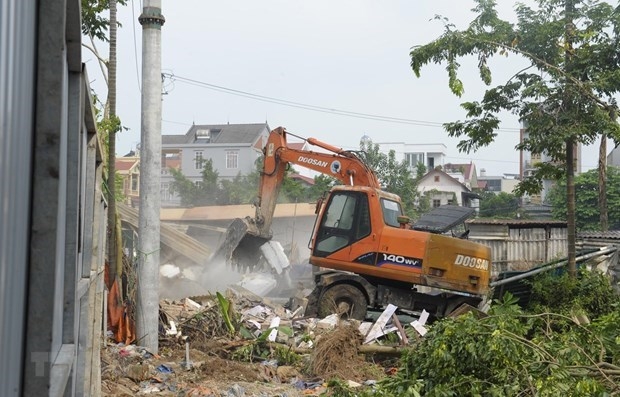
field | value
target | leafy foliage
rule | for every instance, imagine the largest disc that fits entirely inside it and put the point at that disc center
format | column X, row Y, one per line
column 394, row 176
column 514, row 353
column 501, row 205
column 259, row 347
column 94, row 23
column 322, row 184
column 587, row 186
column 227, row 312
column 565, row 94
column 242, row 189
column 206, row 192
column 590, row 293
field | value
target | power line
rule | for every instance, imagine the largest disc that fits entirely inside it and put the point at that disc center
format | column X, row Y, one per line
column 135, row 44
column 315, row 108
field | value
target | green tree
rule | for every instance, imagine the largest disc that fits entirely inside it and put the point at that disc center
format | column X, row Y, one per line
column 394, row 176
column 206, row 192
column 292, row 190
column 420, row 171
column 565, row 96
column 241, row 190
column 502, row 205
column 322, row 184
column 587, row 184
column 94, row 22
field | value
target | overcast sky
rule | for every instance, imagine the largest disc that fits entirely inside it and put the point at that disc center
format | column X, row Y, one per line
column 350, row 55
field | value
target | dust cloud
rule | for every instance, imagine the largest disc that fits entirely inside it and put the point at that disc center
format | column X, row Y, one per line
column 181, row 280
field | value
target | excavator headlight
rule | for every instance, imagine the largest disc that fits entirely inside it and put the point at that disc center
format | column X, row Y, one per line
column 473, row 280
column 433, row 271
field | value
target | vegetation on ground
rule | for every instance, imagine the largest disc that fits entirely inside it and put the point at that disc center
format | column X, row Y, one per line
column 559, row 344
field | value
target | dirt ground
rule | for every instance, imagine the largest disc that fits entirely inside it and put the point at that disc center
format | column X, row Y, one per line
column 167, row 375
column 216, row 371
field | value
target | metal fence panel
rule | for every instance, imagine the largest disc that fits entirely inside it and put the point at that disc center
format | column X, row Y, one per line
column 17, row 71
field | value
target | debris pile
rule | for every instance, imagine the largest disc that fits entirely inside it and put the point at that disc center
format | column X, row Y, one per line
column 246, row 345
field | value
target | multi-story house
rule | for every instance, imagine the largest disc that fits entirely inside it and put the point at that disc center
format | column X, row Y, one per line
column 429, row 154
column 128, row 167
column 232, row 148
column 528, row 161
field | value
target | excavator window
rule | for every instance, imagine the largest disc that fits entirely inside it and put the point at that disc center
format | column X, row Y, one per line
column 391, row 211
column 345, row 220
column 363, row 226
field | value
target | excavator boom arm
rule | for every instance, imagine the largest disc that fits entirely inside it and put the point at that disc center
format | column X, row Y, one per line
column 339, row 164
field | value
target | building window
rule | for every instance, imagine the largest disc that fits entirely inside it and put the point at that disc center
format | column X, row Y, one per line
column 436, row 203
column 135, row 182
column 451, row 202
column 198, row 160
column 165, row 191
column 436, row 178
column 414, row 158
column 232, row 159
column 431, row 163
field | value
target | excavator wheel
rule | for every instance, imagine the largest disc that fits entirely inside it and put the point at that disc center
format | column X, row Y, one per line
column 344, row 299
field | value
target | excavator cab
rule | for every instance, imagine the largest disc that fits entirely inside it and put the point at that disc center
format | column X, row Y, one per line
column 347, row 220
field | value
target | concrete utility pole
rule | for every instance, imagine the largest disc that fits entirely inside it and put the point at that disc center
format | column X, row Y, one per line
column 147, row 310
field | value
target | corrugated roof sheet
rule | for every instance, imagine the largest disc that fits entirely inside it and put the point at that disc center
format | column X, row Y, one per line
column 229, row 212
column 611, row 235
column 517, row 222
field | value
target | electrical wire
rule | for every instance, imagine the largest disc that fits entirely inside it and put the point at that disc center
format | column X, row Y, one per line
column 300, row 105
column 135, row 44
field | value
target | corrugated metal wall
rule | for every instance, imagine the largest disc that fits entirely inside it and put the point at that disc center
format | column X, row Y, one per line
column 17, row 72
column 522, row 247
column 52, row 213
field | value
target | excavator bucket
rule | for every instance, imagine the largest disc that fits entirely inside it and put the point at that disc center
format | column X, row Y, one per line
column 247, row 251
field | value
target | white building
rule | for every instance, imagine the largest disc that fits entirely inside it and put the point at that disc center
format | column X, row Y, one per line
column 443, row 189
column 429, row 154
column 505, row 183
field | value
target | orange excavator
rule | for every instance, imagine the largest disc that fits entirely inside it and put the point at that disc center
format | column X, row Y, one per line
column 368, row 253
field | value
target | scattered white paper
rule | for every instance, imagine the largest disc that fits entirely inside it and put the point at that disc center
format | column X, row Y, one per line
column 418, row 325
column 173, row 329
column 275, row 323
column 379, row 327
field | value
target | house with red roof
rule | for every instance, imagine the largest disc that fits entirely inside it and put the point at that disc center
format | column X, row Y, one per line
column 128, row 168
column 465, row 173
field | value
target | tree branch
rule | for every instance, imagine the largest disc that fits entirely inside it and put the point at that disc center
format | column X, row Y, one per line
column 577, row 82
column 102, row 62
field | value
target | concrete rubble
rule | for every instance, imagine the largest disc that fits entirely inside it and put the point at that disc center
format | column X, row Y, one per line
column 185, row 321
column 260, row 314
